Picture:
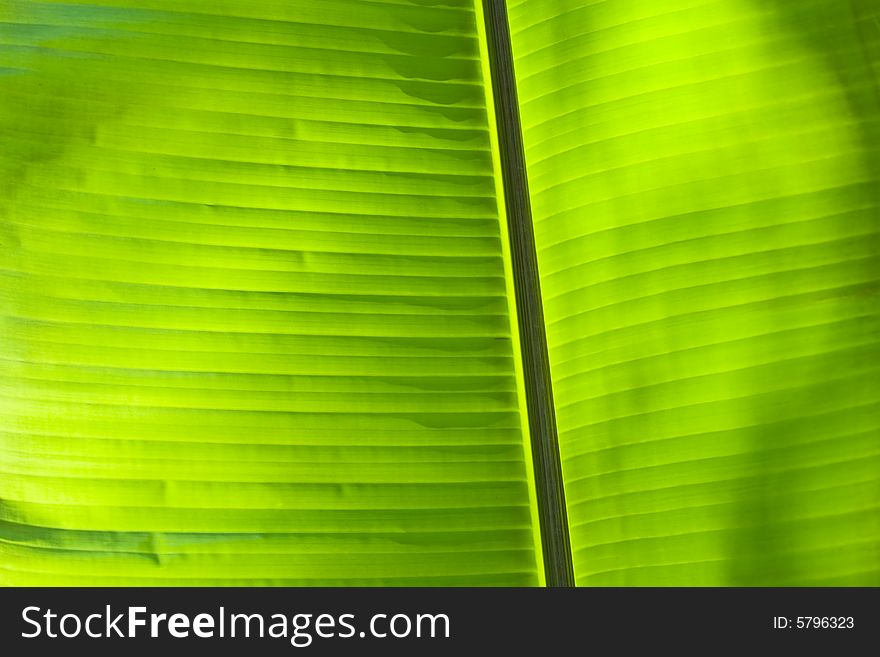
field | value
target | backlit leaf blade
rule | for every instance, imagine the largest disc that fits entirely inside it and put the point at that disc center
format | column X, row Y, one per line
column 254, row 307
column 705, row 186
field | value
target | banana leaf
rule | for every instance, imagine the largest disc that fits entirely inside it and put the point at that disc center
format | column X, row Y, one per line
column 705, row 188
column 255, row 325
column 261, row 305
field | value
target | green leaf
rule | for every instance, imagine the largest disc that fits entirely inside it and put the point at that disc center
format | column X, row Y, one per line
column 257, row 317
column 704, row 180
column 254, row 308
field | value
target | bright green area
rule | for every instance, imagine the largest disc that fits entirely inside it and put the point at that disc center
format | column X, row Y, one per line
column 255, row 323
column 255, row 326
column 705, row 179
